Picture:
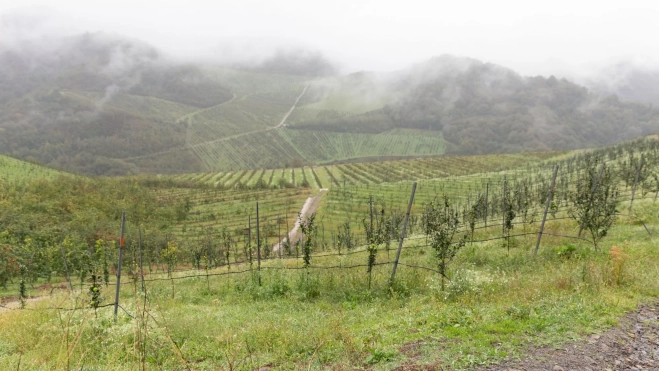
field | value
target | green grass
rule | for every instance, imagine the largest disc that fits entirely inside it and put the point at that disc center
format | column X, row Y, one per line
column 497, row 303
column 13, row 170
column 350, row 101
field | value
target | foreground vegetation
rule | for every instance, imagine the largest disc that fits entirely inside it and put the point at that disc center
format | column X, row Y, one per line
column 202, row 289
column 496, row 302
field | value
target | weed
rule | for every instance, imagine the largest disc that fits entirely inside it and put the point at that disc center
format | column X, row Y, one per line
column 617, row 258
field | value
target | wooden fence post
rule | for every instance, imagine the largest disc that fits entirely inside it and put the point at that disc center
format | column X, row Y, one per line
column 402, row 235
column 279, row 234
column 121, row 250
column 487, row 191
column 258, row 245
column 503, row 206
column 139, row 244
column 544, row 217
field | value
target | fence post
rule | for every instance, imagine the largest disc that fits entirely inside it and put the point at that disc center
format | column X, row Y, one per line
column 258, row 244
column 66, row 267
column 638, row 172
column 402, row 235
column 503, row 206
column 544, row 217
column 121, row 250
column 592, row 192
column 139, row 244
column 288, row 233
column 487, row 191
column 370, row 205
column 279, row 234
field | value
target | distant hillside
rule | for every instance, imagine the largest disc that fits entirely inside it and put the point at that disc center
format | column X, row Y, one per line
column 629, row 81
column 13, row 170
column 105, row 105
column 479, row 107
column 91, row 102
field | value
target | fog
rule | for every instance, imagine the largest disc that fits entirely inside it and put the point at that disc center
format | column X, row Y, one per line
column 564, row 38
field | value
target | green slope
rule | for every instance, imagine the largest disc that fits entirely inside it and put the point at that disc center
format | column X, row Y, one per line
column 12, row 170
column 288, row 147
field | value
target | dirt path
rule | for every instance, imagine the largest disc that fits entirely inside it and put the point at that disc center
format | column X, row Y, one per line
column 310, row 206
column 632, row 345
column 283, row 121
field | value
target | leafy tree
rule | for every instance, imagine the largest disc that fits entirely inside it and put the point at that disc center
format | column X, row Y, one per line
column 595, row 212
column 441, row 223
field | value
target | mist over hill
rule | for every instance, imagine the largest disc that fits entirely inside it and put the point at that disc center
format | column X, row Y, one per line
column 105, row 105
column 629, row 80
column 293, row 62
column 485, row 108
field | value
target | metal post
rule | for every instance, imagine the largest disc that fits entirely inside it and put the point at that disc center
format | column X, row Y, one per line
column 66, row 267
column 592, row 193
column 402, row 234
column 544, row 217
column 638, row 172
column 258, row 244
column 121, row 250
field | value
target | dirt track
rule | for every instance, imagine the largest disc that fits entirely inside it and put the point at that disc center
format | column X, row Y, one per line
column 310, row 206
column 632, row 345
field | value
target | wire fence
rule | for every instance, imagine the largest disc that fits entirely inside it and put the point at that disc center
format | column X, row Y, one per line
column 214, row 249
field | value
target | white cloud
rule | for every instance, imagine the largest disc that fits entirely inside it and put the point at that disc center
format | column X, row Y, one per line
column 531, row 37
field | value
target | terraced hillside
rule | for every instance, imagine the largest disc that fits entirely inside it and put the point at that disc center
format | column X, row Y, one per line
column 287, row 147
column 365, row 173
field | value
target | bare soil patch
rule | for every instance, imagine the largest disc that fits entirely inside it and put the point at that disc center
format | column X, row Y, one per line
column 632, row 345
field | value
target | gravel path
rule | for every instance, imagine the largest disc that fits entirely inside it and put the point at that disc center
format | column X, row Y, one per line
column 633, row 345
column 309, row 207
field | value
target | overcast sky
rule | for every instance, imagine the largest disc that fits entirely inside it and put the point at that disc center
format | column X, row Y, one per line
column 531, row 37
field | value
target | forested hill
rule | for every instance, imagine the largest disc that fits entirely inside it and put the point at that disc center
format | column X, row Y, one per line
column 86, row 102
column 485, row 108
column 106, row 105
